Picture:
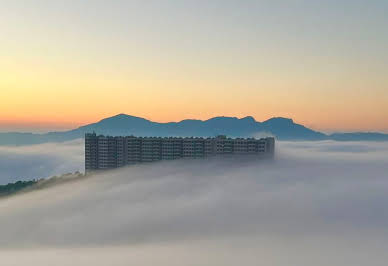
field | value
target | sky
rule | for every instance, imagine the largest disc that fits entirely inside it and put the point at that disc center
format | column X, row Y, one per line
column 318, row 203
column 68, row 63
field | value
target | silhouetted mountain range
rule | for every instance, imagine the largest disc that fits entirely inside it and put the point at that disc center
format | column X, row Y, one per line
column 122, row 124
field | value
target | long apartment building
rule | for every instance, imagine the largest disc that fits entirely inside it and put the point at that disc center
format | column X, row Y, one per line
column 105, row 152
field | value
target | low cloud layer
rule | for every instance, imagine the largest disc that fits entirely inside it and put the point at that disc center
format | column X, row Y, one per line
column 318, row 203
column 42, row 160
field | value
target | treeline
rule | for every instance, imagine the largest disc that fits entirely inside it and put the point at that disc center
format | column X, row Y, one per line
column 11, row 188
column 23, row 186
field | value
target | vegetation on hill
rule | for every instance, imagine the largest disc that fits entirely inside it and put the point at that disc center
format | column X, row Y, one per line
column 11, row 188
column 24, row 186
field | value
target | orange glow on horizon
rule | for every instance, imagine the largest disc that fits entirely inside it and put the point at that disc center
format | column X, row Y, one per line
column 94, row 69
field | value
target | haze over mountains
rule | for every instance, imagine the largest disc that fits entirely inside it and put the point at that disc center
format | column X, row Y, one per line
column 122, row 124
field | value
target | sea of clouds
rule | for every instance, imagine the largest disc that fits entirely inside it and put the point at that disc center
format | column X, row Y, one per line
column 40, row 161
column 317, row 203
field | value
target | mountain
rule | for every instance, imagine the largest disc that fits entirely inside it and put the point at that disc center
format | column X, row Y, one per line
column 358, row 136
column 122, row 124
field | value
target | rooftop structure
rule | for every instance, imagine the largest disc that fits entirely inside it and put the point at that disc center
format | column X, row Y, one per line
column 105, row 152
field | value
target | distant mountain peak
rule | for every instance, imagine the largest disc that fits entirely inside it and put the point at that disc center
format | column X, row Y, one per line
column 279, row 120
column 249, row 118
column 123, row 117
column 123, row 124
column 222, row 118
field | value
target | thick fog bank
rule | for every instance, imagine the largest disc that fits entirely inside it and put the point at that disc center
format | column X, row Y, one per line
column 41, row 160
column 317, row 203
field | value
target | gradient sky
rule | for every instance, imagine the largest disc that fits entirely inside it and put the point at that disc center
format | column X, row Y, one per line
column 67, row 63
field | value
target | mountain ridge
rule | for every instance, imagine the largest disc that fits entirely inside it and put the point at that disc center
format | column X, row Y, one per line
column 122, row 124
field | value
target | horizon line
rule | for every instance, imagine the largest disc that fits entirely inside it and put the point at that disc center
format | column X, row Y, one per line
column 19, row 128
